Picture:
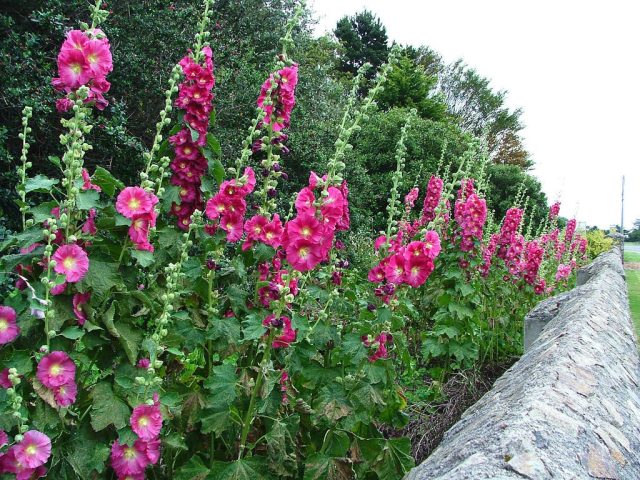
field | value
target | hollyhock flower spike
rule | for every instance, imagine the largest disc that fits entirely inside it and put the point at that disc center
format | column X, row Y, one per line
column 71, row 261
column 9, row 330
column 56, row 369
column 89, row 226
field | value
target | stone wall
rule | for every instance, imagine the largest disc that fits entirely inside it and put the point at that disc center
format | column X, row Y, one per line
column 570, row 407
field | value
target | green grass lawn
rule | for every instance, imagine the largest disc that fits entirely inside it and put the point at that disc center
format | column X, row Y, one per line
column 631, row 256
column 633, row 283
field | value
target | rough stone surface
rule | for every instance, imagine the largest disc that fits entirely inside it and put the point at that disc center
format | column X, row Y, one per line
column 569, row 408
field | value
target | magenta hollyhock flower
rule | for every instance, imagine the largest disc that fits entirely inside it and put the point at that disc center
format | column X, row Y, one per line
column 272, row 233
column 418, row 269
column 376, row 274
column 303, row 255
column 332, row 206
column 432, row 244
column 563, row 272
column 304, row 202
column 306, row 227
column 56, row 369
column 86, row 182
column 133, row 201
column 146, row 421
column 152, row 450
column 9, row 330
column 143, row 363
column 411, row 197
column 554, row 211
column 4, row 379
column 58, row 289
column 34, row 449
column 80, row 299
column 65, row 395
column 71, row 261
column 395, row 268
column 288, row 334
column 76, row 40
column 98, row 57
column 89, row 226
column 73, row 69
column 129, row 460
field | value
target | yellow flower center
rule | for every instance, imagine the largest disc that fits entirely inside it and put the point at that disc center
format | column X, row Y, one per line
column 130, row 453
column 306, row 231
column 92, row 58
column 196, row 95
column 303, row 252
column 138, row 224
column 4, row 324
column 76, row 68
column 55, row 369
column 69, row 263
column 31, row 449
column 143, row 421
column 134, row 204
column 187, row 151
column 269, row 235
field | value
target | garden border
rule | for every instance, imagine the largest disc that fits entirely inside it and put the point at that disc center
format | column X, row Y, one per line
column 570, row 407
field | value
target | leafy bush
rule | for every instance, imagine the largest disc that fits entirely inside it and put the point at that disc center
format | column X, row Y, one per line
column 599, row 243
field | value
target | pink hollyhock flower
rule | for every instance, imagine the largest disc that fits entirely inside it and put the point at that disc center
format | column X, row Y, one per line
column 139, row 230
column 73, row 69
column 9, row 330
column 146, row 421
column 303, row 254
column 10, row 464
column 381, row 341
column 98, row 57
column 418, row 269
column 65, row 395
column 288, row 334
column 380, row 241
column 76, row 40
column 376, row 274
column 411, row 197
column 554, row 211
column 87, row 185
column 255, row 227
column 63, row 104
column 4, row 439
column 58, row 289
column 304, row 202
column 152, row 450
column 233, row 226
column 133, row 201
column 305, row 227
column 344, row 222
column 432, row 244
column 563, row 272
column 248, row 181
column 79, row 300
column 34, row 449
column 71, row 261
column 332, row 206
column 395, row 269
column 56, row 369
column 143, row 363
column 127, row 460
column 89, row 226
column 4, row 379
column 272, row 232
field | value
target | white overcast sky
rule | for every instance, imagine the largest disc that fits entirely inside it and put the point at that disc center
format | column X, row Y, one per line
column 572, row 65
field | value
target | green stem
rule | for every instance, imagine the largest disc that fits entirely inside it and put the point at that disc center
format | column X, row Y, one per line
column 249, row 418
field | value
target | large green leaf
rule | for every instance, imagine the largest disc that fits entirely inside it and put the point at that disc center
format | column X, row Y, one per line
column 194, row 469
column 40, row 183
column 252, row 468
column 221, row 385
column 101, row 277
column 107, row 409
column 324, row 467
column 106, row 181
column 87, row 200
column 130, row 339
column 395, row 459
column 86, row 453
